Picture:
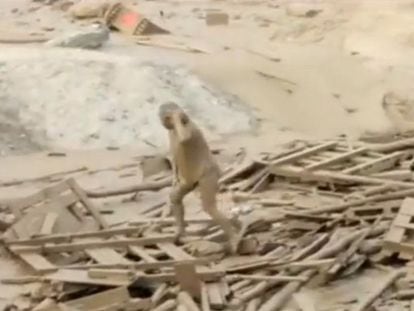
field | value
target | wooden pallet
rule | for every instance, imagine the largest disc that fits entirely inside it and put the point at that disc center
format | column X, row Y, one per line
column 371, row 212
column 333, row 162
column 399, row 238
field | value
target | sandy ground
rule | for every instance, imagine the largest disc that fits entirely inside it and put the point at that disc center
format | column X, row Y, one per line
column 338, row 63
column 301, row 77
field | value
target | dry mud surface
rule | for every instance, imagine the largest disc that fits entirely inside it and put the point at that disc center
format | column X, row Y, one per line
column 77, row 99
column 290, row 71
column 271, row 72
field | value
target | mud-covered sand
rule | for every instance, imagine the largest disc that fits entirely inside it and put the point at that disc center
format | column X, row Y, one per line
column 326, row 76
column 302, row 77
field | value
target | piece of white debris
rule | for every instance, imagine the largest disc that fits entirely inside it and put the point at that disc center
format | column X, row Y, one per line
column 92, row 38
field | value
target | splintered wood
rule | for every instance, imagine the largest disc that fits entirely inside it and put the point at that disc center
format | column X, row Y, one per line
column 399, row 238
column 312, row 214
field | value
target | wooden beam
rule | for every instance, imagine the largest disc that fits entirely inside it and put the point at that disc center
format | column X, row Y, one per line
column 60, row 238
column 170, row 221
column 377, row 165
column 139, row 265
column 307, row 152
column 87, row 203
column 333, row 177
column 337, row 159
column 80, row 246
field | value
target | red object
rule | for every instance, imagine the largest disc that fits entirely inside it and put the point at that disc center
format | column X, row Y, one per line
column 130, row 19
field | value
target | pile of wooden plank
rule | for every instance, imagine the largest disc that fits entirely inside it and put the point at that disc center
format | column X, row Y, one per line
column 318, row 212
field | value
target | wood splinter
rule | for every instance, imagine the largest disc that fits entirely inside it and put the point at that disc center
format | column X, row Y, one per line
column 387, row 282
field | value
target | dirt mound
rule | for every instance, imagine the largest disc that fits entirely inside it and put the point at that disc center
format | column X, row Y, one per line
column 82, row 99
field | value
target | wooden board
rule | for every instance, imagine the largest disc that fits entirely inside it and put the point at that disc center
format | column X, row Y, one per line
column 333, row 177
column 186, row 276
column 394, row 239
column 38, row 262
column 336, row 159
column 88, row 203
column 80, row 246
column 82, row 277
column 19, row 205
column 377, row 165
column 106, row 256
column 48, row 223
column 302, row 154
column 67, row 237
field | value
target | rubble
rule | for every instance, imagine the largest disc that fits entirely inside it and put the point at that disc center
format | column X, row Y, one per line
column 90, row 8
column 130, row 22
column 300, row 9
column 86, row 39
column 217, row 18
column 358, row 221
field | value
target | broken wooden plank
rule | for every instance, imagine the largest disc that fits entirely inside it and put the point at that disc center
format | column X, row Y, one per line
column 187, row 278
column 119, row 295
column 253, row 305
column 167, row 305
column 79, row 246
column 205, row 303
column 83, row 277
column 402, row 222
column 87, row 203
column 106, row 256
column 337, row 159
column 122, row 274
column 31, row 222
column 301, row 154
column 312, row 247
column 398, row 174
column 146, row 186
column 17, row 206
column 141, row 253
column 48, row 223
column 38, row 262
column 185, row 299
column 377, row 165
column 174, row 252
column 280, row 278
column 280, row 298
column 387, row 282
column 138, row 265
column 393, row 146
column 235, row 172
column 42, row 178
column 217, row 301
column 67, row 237
column 340, row 207
column 169, row 221
column 386, row 209
column 343, row 258
column 159, row 293
column 333, row 177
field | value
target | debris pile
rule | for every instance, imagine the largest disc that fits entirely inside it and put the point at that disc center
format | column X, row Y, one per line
column 318, row 212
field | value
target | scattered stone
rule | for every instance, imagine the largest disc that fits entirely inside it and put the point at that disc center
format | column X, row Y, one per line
column 48, row 28
column 202, row 248
column 217, row 18
column 90, row 39
column 302, row 10
column 90, row 8
column 63, row 6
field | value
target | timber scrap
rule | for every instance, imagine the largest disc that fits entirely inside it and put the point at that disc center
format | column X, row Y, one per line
column 361, row 217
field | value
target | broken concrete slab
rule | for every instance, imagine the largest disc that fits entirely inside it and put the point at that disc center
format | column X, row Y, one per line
column 93, row 38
